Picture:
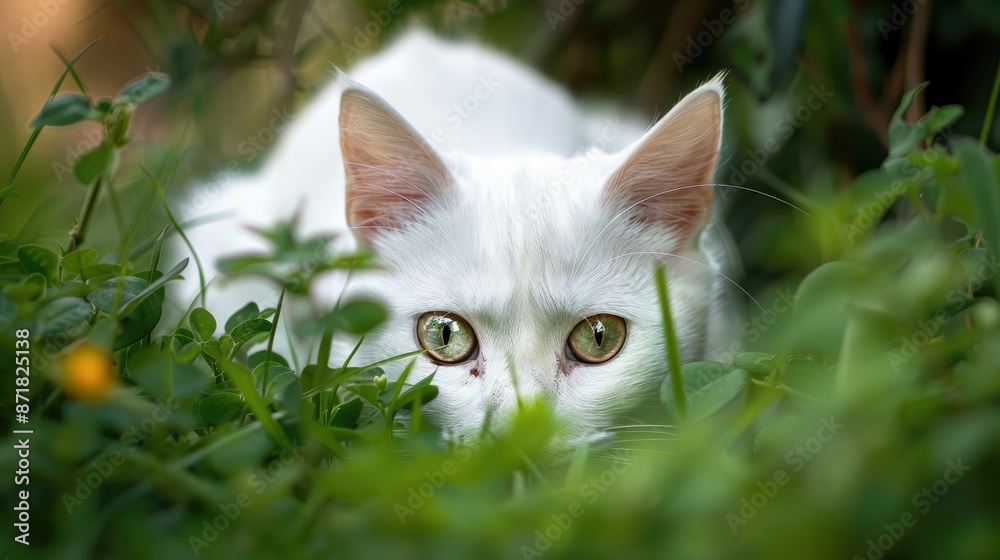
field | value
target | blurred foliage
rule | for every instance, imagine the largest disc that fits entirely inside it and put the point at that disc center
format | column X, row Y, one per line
column 857, row 418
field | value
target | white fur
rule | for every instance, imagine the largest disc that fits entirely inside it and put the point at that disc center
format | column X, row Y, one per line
column 521, row 249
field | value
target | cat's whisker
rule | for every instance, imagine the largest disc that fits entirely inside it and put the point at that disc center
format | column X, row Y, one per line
column 642, row 426
column 720, row 273
column 631, row 440
column 703, row 185
column 771, row 196
column 641, row 450
column 609, row 459
column 623, row 434
column 371, row 227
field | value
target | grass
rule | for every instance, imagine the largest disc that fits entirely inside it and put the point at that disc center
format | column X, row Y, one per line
column 868, row 431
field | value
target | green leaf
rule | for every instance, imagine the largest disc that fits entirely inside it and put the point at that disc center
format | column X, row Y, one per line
column 233, row 265
column 27, row 291
column 245, row 313
column 277, row 384
column 366, row 391
column 65, row 109
column 220, row 408
column 939, row 118
column 243, row 379
column 821, row 304
column 104, row 105
column 94, row 163
column 708, row 387
column 101, row 272
column 757, row 363
column 142, row 318
column 344, row 434
column 288, row 395
column 213, row 349
column 151, row 288
column 78, row 260
column 309, row 377
column 809, row 378
column 262, row 356
column 247, row 330
column 356, row 317
column 35, row 258
column 144, row 88
column 276, row 374
column 422, row 391
column 982, row 184
column 183, row 335
column 226, row 344
column 345, row 415
column 980, row 267
column 240, row 455
column 152, row 276
column 63, row 315
column 35, row 133
column 164, row 378
column 203, row 323
column 904, row 136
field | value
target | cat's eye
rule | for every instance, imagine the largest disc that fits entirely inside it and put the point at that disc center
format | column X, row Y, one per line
column 447, row 337
column 597, row 338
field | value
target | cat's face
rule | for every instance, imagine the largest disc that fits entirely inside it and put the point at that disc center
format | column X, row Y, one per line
column 533, row 279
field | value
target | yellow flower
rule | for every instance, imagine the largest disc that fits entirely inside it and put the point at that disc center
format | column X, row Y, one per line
column 88, row 373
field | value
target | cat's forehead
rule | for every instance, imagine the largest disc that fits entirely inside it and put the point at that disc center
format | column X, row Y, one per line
column 518, row 239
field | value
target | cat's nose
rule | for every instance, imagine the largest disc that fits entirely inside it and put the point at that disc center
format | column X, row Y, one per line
column 508, row 394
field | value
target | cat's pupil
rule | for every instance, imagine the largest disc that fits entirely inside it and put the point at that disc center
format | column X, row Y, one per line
column 446, row 334
column 599, row 334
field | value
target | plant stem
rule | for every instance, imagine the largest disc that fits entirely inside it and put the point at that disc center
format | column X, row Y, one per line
column 270, row 337
column 34, row 135
column 777, row 386
column 988, row 122
column 79, row 231
column 673, row 352
column 323, row 359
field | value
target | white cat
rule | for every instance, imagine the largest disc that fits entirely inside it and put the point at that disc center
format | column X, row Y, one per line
column 519, row 236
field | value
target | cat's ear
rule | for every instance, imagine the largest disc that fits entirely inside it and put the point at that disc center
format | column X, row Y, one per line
column 392, row 174
column 665, row 177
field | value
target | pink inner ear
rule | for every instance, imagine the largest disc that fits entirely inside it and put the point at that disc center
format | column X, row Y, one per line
column 666, row 179
column 390, row 170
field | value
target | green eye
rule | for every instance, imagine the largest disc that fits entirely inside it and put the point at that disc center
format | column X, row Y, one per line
column 597, row 338
column 447, row 337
